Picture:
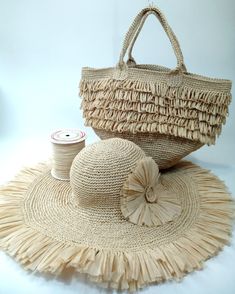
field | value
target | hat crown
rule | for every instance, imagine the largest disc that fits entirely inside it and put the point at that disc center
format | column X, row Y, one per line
column 99, row 171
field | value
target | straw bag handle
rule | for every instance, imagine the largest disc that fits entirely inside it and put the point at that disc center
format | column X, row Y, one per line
column 135, row 29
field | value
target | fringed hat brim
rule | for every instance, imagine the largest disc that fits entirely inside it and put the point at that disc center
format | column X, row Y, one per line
column 45, row 232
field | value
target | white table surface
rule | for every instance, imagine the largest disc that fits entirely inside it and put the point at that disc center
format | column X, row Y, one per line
column 218, row 276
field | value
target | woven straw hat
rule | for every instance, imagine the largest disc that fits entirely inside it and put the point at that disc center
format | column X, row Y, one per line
column 118, row 220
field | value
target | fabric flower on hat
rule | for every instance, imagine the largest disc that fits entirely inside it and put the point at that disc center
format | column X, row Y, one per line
column 145, row 200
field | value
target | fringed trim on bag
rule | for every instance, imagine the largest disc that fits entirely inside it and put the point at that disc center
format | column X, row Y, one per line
column 163, row 128
column 181, row 108
column 151, row 109
column 129, row 98
column 166, row 98
column 119, row 116
column 121, row 270
column 155, row 89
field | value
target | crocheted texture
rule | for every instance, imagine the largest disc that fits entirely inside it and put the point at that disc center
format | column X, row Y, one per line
column 196, row 110
column 99, row 171
column 164, row 149
column 131, row 98
column 42, row 229
column 145, row 200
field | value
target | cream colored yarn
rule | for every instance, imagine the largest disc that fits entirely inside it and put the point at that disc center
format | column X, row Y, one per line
column 66, row 144
column 99, row 171
column 166, row 150
column 63, row 156
column 49, row 226
column 149, row 102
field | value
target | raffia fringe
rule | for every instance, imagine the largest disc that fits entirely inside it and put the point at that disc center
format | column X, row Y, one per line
column 121, row 270
column 137, row 106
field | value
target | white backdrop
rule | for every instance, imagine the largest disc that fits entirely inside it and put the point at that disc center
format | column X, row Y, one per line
column 43, row 46
column 45, row 43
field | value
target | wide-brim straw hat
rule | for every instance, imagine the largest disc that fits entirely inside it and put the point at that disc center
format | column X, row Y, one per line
column 118, row 220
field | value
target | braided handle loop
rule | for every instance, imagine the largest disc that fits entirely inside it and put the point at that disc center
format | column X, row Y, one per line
column 136, row 28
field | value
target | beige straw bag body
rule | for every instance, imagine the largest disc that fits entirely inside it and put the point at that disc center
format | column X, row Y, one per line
column 168, row 113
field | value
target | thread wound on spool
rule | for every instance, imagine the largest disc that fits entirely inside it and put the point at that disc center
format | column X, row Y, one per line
column 66, row 145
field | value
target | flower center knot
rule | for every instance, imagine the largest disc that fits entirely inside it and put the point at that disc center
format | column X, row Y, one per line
column 150, row 195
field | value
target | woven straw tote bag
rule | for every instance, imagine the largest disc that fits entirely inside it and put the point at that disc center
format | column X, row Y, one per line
column 168, row 113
